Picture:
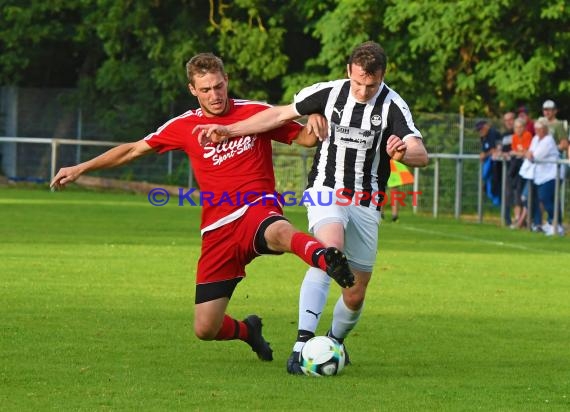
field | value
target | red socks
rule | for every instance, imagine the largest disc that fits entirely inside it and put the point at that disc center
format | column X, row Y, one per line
column 232, row 329
column 309, row 249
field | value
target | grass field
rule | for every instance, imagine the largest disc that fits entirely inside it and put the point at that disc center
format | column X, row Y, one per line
column 96, row 301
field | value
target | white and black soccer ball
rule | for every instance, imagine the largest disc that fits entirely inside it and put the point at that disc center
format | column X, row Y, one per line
column 322, row 356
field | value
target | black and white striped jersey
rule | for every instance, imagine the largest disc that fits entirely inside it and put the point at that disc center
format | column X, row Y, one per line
column 354, row 156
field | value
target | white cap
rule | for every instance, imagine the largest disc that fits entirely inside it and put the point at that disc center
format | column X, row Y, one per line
column 549, row 104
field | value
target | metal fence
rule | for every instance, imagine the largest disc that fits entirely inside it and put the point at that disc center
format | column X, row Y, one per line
column 450, row 184
column 56, row 113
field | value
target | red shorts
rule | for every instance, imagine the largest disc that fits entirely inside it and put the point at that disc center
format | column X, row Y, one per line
column 227, row 249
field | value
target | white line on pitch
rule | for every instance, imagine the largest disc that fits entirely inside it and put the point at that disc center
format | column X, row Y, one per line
column 476, row 239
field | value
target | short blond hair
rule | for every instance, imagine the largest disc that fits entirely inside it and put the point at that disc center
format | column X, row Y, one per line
column 203, row 63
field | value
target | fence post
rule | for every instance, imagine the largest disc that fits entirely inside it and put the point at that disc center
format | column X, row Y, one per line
column 436, row 188
column 563, row 191
column 503, row 191
column 529, row 209
column 556, row 200
column 480, row 193
column 53, row 166
column 459, row 165
column 416, row 188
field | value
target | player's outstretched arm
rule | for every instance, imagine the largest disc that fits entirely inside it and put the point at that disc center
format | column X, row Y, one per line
column 317, row 128
column 412, row 152
column 258, row 123
column 114, row 157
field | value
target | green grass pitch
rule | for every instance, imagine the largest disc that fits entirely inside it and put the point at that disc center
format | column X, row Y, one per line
column 97, row 294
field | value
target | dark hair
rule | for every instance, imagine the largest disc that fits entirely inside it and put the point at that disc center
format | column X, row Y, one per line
column 370, row 56
column 203, row 63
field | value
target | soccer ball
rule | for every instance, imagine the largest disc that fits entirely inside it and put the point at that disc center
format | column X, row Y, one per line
column 322, row 356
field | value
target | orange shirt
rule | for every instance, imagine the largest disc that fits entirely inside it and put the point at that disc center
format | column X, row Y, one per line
column 521, row 143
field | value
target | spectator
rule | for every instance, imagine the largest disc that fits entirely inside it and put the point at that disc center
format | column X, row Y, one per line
column 508, row 125
column 504, row 154
column 531, row 208
column 520, row 143
column 557, row 128
column 522, row 113
column 490, row 138
column 543, row 148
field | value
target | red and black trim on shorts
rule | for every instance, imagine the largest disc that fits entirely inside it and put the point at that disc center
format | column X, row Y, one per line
column 206, row 292
column 259, row 242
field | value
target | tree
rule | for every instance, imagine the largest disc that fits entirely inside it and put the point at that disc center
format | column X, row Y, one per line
column 140, row 78
column 36, row 39
column 487, row 56
column 127, row 58
column 340, row 27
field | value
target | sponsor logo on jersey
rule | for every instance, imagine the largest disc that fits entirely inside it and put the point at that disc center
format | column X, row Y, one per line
column 228, row 149
column 353, row 137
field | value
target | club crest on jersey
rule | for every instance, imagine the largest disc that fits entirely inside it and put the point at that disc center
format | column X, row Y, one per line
column 376, row 120
column 228, row 149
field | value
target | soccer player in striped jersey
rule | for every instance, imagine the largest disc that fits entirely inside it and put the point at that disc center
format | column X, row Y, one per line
column 234, row 230
column 369, row 123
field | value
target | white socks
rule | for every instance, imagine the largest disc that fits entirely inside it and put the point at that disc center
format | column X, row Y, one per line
column 344, row 319
column 312, row 300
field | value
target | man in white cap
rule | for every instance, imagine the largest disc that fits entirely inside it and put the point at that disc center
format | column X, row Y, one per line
column 557, row 128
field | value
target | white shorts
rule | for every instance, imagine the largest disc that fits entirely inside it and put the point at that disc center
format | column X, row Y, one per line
column 360, row 226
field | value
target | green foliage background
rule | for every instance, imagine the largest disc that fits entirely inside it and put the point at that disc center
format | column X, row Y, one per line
column 126, row 57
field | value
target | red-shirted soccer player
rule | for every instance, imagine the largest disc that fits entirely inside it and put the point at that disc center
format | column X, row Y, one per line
column 243, row 219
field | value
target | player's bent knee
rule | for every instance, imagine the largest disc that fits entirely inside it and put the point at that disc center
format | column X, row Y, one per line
column 274, row 235
column 354, row 299
column 283, row 233
column 205, row 331
column 278, row 235
column 354, row 303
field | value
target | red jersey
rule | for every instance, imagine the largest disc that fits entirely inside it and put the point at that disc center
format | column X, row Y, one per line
column 233, row 174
